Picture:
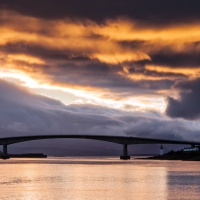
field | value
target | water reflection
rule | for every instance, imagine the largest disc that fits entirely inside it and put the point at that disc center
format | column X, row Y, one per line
column 184, row 183
column 78, row 178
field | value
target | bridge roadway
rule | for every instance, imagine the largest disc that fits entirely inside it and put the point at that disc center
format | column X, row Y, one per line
column 124, row 140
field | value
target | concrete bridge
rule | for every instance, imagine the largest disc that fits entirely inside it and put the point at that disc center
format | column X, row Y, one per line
column 123, row 140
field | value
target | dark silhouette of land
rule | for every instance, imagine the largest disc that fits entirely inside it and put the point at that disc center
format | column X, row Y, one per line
column 178, row 155
column 27, row 155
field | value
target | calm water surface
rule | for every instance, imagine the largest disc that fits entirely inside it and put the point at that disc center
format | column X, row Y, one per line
column 98, row 178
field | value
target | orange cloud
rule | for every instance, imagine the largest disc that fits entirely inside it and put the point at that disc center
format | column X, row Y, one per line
column 33, row 48
column 98, row 41
column 191, row 72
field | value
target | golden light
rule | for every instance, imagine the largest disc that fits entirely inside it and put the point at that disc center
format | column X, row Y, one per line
column 191, row 72
column 26, row 58
column 93, row 97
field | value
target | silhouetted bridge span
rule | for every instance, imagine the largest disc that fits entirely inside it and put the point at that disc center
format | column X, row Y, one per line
column 123, row 140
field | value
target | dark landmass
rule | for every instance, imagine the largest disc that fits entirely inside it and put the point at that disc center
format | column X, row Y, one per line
column 27, row 155
column 178, row 155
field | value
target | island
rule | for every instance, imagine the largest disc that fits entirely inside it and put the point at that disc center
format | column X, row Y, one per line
column 27, row 155
column 188, row 153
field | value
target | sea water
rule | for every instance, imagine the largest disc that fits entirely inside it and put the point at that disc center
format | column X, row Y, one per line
column 98, row 178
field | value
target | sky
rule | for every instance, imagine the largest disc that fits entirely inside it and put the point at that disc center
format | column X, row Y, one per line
column 99, row 67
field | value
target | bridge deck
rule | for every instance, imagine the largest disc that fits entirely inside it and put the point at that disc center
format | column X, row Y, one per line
column 114, row 139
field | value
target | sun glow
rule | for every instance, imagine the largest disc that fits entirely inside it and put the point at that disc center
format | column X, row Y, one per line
column 92, row 97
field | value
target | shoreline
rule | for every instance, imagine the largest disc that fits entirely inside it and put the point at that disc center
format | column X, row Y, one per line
column 177, row 155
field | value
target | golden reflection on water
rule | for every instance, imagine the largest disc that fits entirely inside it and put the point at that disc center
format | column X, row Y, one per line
column 92, row 178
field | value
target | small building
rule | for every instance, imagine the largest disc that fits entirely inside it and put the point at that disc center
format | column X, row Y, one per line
column 189, row 149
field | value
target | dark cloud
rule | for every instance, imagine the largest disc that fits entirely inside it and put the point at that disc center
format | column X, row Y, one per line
column 153, row 73
column 63, row 68
column 46, row 53
column 25, row 113
column 103, row 77
column 187, row 106
column 187, row 57
column 144, row 11
column 133, row 44
column 167, row 57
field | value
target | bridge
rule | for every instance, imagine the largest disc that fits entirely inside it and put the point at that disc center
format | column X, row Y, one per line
column 123, row 140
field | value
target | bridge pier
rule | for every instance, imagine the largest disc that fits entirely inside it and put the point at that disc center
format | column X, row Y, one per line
column 5, row 152
column 125, row 153
column 5, row 149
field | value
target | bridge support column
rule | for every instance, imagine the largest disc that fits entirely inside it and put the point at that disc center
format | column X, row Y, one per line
column 5, row 152
column 5, row 149
column 125, row 153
